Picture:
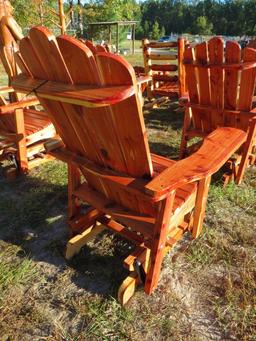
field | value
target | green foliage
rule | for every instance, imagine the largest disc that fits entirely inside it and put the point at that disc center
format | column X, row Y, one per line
column 27, row 12
column 146, row 28
column 155, row 31
column 202, row 26
column 162, row 32
column 14, row 274
column 111, row 10
column 227, row 17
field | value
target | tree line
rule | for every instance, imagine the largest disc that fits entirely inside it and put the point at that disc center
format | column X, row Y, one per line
column 228, row 17
column 159, row 17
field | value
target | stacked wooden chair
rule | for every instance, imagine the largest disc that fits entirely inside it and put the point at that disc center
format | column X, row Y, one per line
column 23, row 129
column 142, row 79
column 148, row 199
column 95, row 48
column 221, row 85
column 163, row 62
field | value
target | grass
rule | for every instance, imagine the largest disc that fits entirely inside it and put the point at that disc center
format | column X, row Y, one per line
column 14, row 274
column 207, row 289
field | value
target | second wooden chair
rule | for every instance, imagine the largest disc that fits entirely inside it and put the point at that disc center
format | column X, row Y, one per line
column 163, row 62
column 221, row 85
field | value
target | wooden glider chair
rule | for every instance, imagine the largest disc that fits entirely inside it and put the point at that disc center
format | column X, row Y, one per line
column 165, row 67
column 148, row 199
column 221, row 85
column 23, row 129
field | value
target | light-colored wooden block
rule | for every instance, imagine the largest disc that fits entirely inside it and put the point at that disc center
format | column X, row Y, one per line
column 76, row 243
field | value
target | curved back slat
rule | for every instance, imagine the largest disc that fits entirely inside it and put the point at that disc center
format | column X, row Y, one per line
column 101, row 48
column 48, row 52
column 31, row 59
column 247, row 81
column 91, row 46
column 75, row 52
column 232, row 55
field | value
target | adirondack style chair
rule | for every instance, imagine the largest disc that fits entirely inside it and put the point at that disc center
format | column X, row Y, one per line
column 23, row 130
column 160, row 63
column 221, row 84
column 147, row 199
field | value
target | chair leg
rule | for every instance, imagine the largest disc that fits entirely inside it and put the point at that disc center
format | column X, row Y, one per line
column 159, row 242
column 183, row 145
column 74, row 181
column 247, row 150
column 186, row 125
column 201, row 199
column 21, row 144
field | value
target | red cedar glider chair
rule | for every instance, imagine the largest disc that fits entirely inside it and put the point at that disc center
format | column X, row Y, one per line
column 148, row 199
column 221, row 84
column 23, row 129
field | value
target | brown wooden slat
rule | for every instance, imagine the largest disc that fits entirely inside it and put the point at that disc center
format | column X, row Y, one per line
column 201, row 54
column 31, row 59
column 216, row 56
column 247, row 87
column 232, row 55
column 44, row 43
column 164, row 68
column 164, row 56
column 165, row 78
column 76, row 53
column 91, row 46
column 192, row 84
column 162, row 45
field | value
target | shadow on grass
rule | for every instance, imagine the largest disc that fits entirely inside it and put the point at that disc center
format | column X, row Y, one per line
column 163, row 149
column 164, row 116
column 33, row 217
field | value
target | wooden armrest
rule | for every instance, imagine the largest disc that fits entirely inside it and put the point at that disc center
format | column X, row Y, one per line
column 215, row 151
column 85, row 95
column 10, row 108
column 25, row 84
column 6, row 90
